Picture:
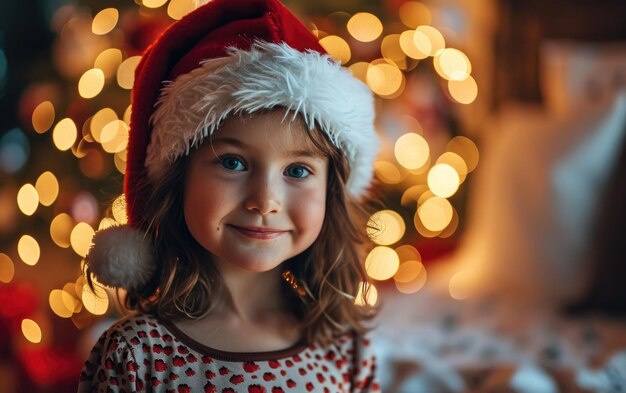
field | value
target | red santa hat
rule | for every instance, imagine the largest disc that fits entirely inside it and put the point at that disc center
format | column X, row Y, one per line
column 228, row 56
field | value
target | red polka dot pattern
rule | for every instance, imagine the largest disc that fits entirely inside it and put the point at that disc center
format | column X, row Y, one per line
column 141, row 354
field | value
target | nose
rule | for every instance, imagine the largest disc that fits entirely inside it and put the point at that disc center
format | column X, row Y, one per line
column 265, row 196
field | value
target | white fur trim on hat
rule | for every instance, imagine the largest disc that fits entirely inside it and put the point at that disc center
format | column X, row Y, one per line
column 268, row 75
column 121, row 256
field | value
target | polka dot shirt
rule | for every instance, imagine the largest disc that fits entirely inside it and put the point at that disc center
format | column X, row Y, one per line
column 145, row 354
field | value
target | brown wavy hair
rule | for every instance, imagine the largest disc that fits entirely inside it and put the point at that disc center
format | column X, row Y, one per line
column 330, row 271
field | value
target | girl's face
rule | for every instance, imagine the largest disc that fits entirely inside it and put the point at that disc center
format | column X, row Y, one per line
column 255, row 195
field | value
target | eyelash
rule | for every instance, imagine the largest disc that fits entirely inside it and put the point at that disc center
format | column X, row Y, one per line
column 223, row 159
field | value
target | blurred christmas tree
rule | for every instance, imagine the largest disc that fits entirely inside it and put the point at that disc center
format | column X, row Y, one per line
column 64, row 130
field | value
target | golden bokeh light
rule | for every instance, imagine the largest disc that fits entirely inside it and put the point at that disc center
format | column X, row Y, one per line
column 28, row 199
column 437, row 42
column 103, row 117
column 452, row 64
column 382, row 263
column 387, row 172
column 411, row 277
column 456, row 162
column 43, row 117
column 108, row 61
column 31, row 331
column 465, row 148
column 452, row 227
column 359, row 70
column 47, row 187
column 414, row 13
column 390, row 48
column 365, row 27
column 385, row 227
column 407, row 252
column 91, row 83
column 411, row 195
column 415, row 44
column 118, row 209
column 107, row 222
column 385, row 79
column 81, row 237
column 443, row 180
column 126, row 72
column 120, row 161
column 28, row 250
column 64, row 134
column 371, row 296
column 127, row 114
column 114, row 136
column 96, row 301
column 105, row 21
column 435, row 214
column 421, row 229
column 337, row 48
column 80, row 282
column 7, row 268
column 58, row 306
column 459, row 287
column 176, row 9
column 411, row 150
column 70, row 297
column 465, row 91
column 426, row 195
column 61, row 229
column 154, row 3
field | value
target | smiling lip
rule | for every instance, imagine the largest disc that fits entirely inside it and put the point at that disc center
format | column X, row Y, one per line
column 262, row 233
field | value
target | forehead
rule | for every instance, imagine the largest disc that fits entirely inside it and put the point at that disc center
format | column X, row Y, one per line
column 275, row 130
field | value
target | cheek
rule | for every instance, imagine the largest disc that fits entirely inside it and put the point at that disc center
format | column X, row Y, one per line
column 310, row 209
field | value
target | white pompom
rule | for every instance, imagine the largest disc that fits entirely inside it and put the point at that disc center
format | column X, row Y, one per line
column 121, row 256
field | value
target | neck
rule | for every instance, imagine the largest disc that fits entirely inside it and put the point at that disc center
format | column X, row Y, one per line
column 252, row 294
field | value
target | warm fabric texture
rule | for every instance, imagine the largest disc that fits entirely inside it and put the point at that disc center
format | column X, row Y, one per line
column 144, row 354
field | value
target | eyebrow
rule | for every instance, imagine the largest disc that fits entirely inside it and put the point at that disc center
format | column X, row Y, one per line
column 242, row 145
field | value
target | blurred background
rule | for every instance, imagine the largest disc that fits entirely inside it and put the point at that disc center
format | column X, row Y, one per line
column 501, row 262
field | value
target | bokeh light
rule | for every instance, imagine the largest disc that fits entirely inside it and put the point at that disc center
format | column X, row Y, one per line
column 70, row 298
column 458, row 287
column 411, row 195
column 407, row 252
column 80, row 238
column 437, row 42
column 105, row 21
column 108, row 61
column 7, row 268
column 465, row 148
column 387, row 172
column 359, row 70
column 64, row 134
column 126, row 72
column 28, row 250
column 381, row 263
column 28, row 199
column 118, row 209
column 435, row 213
column 365, row 27
column 154, row 3
column 371, row 296
column 415, row 44
column 411, row 150
column 61, row 229
column 386, row 227
column 456, row 162
column 414, row 13
column 385, row 79
column 91, row 83
column 452, row 64
column 443, row 180
column 337, row 48
column 31, row 331
column 176, row 9
column 58, row 306
column 47, row 187
column 465, row 91
column 103, row 117
column 410, row 277
column 114, row 136
column 43, row 117
column 96, row 301
column 14, row 150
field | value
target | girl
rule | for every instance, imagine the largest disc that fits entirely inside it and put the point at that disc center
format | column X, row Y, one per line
column 248, row 152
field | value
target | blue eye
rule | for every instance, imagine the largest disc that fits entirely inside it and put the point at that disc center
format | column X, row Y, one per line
column 232, row 163
column 297, row 171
